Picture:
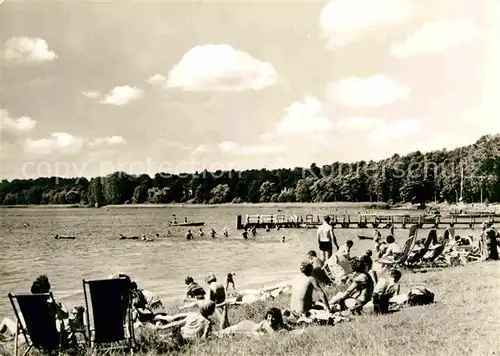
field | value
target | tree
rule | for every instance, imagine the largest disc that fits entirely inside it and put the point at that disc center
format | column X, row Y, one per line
column 220, row 194
column 140, row 194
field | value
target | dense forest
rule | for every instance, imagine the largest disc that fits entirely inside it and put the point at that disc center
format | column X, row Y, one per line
column 416, row 178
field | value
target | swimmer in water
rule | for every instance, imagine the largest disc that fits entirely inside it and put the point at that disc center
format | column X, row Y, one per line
column 201, row 233
column 226, row 234
column 283, row 239
column 267, row 228
column 186, row 220
column 189, row 235
column 169, row 233
column 254, row 231
column 213, row 233
column 245, row 234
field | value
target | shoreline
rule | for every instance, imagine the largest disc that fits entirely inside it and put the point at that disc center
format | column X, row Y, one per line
column 207, row 206
column 494, row 207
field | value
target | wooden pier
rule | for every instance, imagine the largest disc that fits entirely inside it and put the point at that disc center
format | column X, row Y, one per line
column 364, row 221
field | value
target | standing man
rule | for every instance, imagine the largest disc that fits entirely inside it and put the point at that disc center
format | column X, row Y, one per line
column 326, row 238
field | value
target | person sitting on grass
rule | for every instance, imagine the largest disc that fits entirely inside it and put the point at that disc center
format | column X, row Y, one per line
column 146, row 305
column 302, row 291
column 384, row 290
column 194, row 291
column 358, row 293
column 41, row 285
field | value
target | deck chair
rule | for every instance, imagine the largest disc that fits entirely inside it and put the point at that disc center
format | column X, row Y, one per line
column 417, row 256
column 111, row 322
column 432, row 255
column 36, row 321
column 408, row 246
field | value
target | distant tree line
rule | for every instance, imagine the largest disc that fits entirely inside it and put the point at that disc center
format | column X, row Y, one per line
column 415, row 178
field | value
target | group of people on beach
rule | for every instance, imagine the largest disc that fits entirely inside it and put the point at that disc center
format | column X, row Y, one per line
column 360, row 281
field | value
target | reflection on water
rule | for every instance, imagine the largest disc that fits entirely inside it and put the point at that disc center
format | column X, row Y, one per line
column 161, row 265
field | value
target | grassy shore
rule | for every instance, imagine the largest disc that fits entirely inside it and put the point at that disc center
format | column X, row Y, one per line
column 463, row 321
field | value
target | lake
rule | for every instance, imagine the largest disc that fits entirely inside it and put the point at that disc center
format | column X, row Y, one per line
column 160, row 266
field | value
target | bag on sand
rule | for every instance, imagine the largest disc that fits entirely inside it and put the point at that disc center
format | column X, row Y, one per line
column 420, row 296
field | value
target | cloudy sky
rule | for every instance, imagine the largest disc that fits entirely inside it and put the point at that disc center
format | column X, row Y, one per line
column 93, row 87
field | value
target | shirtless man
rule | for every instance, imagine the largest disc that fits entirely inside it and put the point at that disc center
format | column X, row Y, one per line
column 302, row 290
column 326, row 238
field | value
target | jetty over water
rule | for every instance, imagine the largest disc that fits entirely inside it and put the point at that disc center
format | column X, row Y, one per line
column 363, row 221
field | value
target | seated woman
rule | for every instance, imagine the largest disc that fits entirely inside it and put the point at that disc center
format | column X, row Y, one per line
column 358, row 293
column 339, row 264
column 393, row 251
column 63, row 324
column 146, row 305
column 385, row 289
column 194, row 290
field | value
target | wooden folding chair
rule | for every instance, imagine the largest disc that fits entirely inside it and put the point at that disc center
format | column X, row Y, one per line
column 36, row 321
column 111, row 321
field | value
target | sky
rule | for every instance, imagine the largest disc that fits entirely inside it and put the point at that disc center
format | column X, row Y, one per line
column 89, row 87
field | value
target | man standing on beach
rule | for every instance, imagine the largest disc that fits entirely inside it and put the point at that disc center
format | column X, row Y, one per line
column 326, row 238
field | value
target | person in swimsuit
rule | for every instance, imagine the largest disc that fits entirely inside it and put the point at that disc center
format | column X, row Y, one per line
column 194, row 291
column 359, row 292
column 384, row 290
column 213, row 233
column 230, row 280
column 326, row 238
column 189, row 235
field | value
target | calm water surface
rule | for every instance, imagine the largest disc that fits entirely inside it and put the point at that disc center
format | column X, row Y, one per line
column 160, row 266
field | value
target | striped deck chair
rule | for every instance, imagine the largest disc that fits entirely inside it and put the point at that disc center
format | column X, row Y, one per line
column 111, row 322
column 408, row 246
column 431, row 256
column 36, row 320
column 415, row 258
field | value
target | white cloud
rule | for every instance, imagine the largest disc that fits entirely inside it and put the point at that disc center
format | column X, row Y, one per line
column 27, row 50
column 61, row 142
column 395, row 129
column 344, row 21
column 121, row 95
column 435, row 37
column 201, row 149
column 235, row 148
column 107, row 141
column 18, row 125
column 157, row 79
column 220, row 68
column 91, row 94
column 374, row 91
column 304, row 117
column 359, row 123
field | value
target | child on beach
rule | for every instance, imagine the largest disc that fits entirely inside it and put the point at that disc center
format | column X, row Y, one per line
column 230, row 280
